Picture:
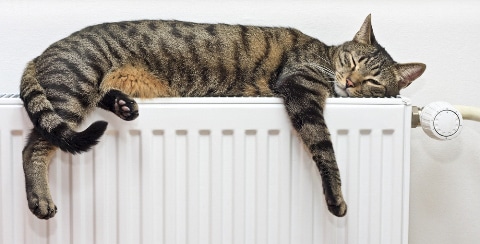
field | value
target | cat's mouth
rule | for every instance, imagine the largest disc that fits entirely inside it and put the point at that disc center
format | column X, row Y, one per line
column 341, row 90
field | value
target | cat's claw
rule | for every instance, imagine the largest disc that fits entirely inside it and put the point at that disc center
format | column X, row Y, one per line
column 126, row 109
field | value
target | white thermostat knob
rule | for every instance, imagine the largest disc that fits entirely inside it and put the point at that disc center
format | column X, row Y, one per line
column 441, row 121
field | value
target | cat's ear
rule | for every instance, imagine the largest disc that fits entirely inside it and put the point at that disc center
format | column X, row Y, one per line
column 409, row 72
column 365, row 34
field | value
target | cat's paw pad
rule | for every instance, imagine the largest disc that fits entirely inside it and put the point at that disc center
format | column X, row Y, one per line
column 126, row 109
column 338, row 210
column 42, row 207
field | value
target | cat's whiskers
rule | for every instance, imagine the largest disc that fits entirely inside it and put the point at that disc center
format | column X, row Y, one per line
column 324, row 70
column 325, row 60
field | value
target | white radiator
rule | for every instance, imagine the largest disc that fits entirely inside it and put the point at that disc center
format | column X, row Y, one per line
column 216, row 171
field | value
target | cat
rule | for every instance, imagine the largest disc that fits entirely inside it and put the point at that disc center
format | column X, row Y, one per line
column 106, row 65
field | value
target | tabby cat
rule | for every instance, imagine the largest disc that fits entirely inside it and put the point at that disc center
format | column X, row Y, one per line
column 106, row 65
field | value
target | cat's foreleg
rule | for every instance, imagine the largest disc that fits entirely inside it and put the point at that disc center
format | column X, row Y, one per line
column 37, row 155
column 304, row 97
column 120, row 104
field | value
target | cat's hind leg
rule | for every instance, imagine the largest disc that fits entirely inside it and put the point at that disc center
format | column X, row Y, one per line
column 120, row 104
column 37, row 155
column 38, row 151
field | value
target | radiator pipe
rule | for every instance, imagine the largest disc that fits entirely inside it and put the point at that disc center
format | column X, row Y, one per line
column 416, row 116
column 441, row 120
column 469, row 112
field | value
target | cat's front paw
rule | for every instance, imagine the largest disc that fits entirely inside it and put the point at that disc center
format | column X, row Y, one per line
column 126, row 109
column 338, row 210
column 41, row 206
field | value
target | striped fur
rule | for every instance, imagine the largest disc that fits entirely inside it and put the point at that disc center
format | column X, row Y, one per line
column 108, row 64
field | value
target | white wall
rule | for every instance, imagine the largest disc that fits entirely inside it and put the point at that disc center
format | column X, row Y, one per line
column 445, row 189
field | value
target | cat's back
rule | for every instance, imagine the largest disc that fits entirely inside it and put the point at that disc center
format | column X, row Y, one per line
column 174, row 51
column 144, row 36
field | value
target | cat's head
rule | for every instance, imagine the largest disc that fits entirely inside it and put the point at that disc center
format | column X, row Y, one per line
column 364, row 69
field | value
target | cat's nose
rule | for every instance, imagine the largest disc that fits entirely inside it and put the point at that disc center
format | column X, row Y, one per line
column 349, row 83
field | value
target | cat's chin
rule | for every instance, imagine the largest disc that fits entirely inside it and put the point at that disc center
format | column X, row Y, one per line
column 341, row 92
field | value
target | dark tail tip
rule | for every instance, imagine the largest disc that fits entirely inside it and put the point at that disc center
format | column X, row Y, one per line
column 83, row 141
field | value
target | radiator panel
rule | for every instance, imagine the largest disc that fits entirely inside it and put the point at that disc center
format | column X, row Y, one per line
column 213, row 170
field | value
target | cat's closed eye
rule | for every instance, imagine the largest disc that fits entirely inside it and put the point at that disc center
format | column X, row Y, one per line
column 361, row 59
column 372, row 82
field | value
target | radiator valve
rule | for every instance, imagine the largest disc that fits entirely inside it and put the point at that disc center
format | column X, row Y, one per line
column 440, row 120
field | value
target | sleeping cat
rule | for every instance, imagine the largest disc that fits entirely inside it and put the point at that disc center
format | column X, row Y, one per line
column 107, row 65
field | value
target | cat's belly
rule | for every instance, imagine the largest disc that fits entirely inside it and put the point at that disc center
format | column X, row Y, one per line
column 137, row 81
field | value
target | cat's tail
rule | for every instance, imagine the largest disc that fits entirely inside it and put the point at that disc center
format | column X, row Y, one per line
column 48, row 123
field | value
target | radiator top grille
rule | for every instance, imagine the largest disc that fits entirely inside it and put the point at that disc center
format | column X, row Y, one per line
column 11, row 98
column 9, row 95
